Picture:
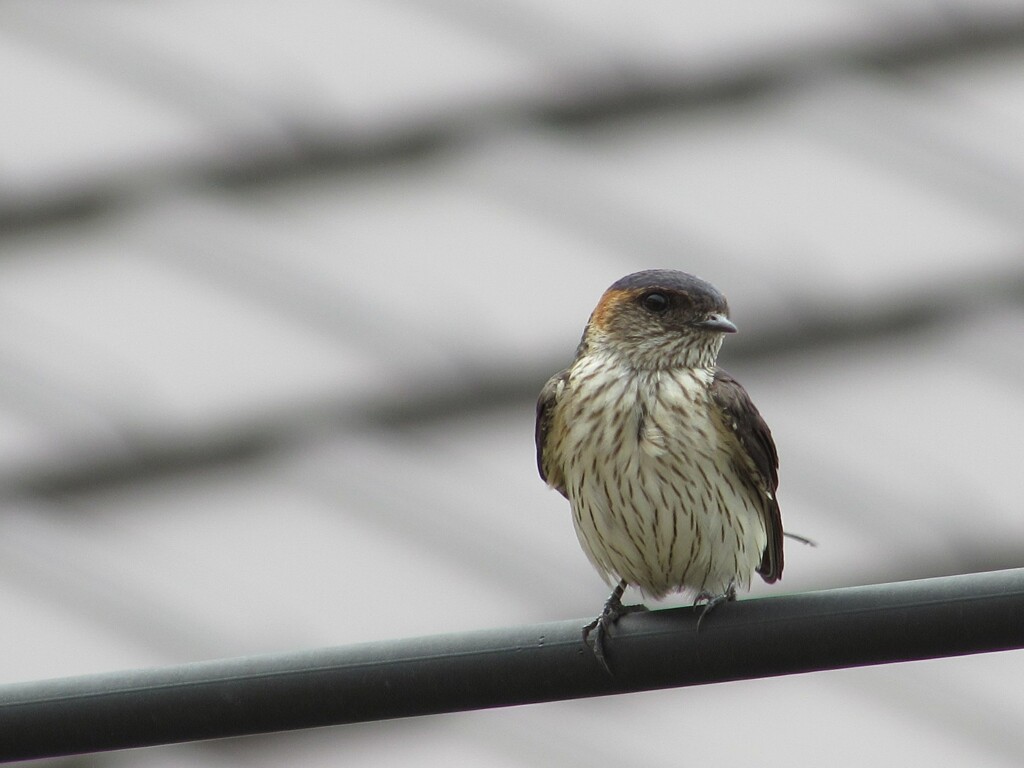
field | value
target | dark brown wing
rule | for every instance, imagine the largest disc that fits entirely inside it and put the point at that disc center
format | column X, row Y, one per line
column 545, row 414
column 753, row 434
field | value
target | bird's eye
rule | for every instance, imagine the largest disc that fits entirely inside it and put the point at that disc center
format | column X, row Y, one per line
column 654, row 302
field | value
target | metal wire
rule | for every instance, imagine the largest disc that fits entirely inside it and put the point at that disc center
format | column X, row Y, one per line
column 756, row 638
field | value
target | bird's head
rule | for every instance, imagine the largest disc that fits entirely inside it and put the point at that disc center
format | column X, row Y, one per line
column 660, row 318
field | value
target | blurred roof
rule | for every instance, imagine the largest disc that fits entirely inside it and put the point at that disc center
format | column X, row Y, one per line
column 279, row 288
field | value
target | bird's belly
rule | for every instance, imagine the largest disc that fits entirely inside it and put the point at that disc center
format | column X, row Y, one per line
column 662, row 504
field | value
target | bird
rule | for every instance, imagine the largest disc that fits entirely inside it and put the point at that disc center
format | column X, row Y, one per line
column 669, row 469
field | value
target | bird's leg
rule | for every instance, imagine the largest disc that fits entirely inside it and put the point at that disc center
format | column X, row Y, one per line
column 713, row 601
column 599, row 627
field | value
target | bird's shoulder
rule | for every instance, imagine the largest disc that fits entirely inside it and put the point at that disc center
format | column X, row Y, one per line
column 743, row 419
column 550, row 394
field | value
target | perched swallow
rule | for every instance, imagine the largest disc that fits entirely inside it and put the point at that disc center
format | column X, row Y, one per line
column 668, row 467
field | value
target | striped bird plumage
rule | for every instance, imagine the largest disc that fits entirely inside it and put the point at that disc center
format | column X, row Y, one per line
column 669, row 469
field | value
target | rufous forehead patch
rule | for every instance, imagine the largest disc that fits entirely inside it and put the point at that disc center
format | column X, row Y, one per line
column 610, row 304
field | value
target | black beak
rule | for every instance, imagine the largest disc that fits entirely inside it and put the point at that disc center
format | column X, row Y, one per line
column 716, row 322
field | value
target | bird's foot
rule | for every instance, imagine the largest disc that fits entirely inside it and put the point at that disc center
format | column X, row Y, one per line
column 595, row 632
column 712, row 601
